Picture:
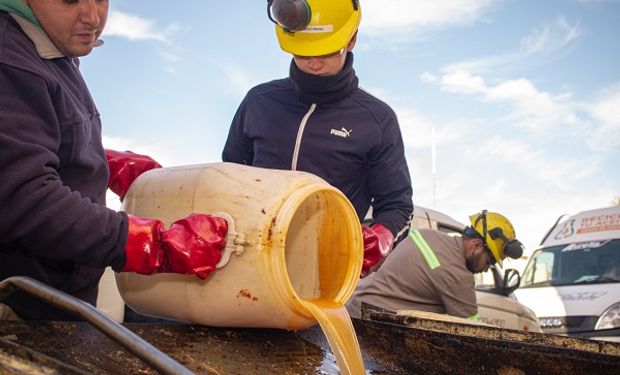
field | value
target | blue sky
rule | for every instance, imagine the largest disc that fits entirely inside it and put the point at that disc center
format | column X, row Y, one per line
column 523, row 97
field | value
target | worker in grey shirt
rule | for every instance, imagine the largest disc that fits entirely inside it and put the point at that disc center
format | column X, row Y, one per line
column 433, row 271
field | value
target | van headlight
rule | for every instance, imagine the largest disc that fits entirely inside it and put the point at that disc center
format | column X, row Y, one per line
column 610, row 318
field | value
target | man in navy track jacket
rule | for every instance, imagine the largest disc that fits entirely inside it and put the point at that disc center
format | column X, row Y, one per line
column 320, row 121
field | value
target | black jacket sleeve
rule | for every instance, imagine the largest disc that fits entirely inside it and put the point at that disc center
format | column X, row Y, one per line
column 42, row 214
column 389, row 181
column 238, row 147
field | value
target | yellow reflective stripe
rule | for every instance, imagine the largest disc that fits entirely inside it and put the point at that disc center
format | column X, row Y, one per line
column 474, row 317
column 425, row 249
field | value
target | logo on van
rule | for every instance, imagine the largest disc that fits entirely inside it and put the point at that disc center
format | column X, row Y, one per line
column 568, row 229
column 582, row 297
column 599, row 223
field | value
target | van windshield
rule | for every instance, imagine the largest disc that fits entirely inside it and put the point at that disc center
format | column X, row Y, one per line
column 594, row 262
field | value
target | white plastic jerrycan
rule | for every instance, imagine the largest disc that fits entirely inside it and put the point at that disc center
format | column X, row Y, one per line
column 292, row 238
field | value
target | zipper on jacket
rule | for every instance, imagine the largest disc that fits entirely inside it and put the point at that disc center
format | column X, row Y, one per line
column 76, row 68
column 300, row 133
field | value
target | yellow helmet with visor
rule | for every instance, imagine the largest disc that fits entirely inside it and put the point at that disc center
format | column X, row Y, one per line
column 314, row 27
column 498, row 235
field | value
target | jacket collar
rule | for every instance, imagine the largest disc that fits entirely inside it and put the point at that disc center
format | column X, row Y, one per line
column 20, row 8
column 44, row 45
column 328, row 89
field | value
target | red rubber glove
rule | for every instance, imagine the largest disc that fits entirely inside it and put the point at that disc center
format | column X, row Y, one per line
column 192, row 245
column 125, row 167
column 377, row 245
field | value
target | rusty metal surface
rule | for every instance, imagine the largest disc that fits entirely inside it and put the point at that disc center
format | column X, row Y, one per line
column 433, row 347
column 204, row 350
column 18, row 360
column 395, row 347
column 483, row 331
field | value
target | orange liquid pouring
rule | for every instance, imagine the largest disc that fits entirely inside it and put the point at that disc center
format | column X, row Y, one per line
column 336, row 324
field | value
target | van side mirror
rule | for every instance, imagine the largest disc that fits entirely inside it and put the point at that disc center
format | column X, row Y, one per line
column 512, row 280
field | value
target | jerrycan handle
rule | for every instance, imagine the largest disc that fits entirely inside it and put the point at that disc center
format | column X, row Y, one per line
column 235, row 242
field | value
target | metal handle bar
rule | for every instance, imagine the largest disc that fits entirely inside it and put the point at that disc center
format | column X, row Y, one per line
column 132, row 342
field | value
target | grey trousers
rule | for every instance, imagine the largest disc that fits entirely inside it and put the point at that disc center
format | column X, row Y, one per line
column 7, row 313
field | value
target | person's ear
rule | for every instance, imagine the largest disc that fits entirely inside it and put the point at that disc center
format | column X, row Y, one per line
column 471, row 246
column 479, row 243
column 351, row 44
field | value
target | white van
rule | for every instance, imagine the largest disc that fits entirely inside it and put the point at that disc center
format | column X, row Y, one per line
column 497, row 304
column 572, row 281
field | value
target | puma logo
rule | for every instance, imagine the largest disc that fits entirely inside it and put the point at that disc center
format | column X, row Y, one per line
column 344, row 133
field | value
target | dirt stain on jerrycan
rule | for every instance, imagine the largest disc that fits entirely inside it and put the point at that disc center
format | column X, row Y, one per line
column 294, row 252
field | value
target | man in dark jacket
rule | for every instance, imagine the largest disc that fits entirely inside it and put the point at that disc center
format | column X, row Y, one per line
column 54, row 171
column 318, row 120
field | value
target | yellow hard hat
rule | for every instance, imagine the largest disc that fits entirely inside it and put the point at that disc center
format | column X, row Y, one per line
column 314, row 27
column 498, row 234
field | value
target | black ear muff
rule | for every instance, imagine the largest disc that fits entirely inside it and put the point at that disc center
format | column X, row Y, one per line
column 292, row 15
column 513, row 249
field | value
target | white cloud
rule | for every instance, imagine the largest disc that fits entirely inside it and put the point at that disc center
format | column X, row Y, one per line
column 417, row 130
column 516, row 173
column 169, row 56
column 428, row 77
column 239, row 81
column 516, row 178
column 597, row 122
column 550, row 38
column 537, row 163
column 547, row 41
column 606, row 116
column 462, row 82
column 530, row 108
column 136, row 28
column 393, row 18
column 161, row 155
